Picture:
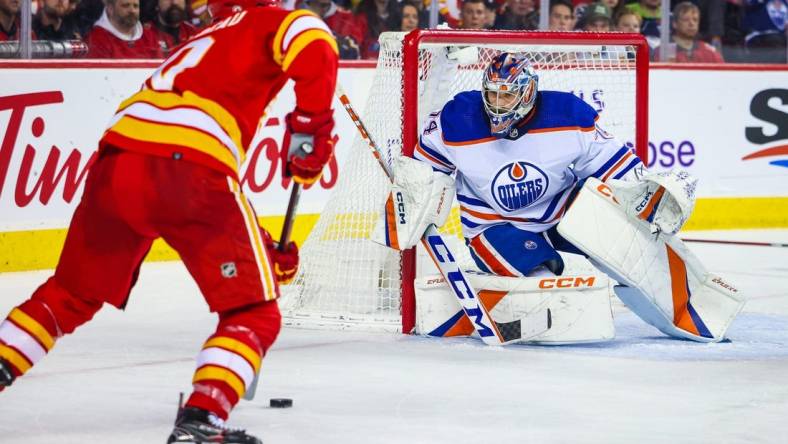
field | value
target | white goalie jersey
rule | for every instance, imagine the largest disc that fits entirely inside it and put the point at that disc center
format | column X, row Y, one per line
column 526, row 178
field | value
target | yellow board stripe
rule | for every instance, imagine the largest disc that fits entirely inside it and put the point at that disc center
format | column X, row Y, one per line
column 210, row 372
column 33, row 327
column 303, row 40
column 169, row 100
column 280, row 33
column 40, row 249
column 16, row 359
column 238, row 347
column 165, row 134
column 736, row 213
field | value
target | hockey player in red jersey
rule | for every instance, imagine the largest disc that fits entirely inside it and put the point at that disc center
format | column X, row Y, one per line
column 168, row 167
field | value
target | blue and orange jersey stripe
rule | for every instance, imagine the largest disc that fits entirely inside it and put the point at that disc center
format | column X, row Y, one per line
column 488, row 257
column 438, row 160
column 469, row 142
column 584, row 129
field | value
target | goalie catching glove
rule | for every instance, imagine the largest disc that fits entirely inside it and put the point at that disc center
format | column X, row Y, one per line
column 663, row 200
column 285, row 262
column 305, row 163
column 419, row 197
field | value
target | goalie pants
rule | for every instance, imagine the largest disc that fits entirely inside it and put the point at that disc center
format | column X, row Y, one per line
column 131, row 199
column 506, row 250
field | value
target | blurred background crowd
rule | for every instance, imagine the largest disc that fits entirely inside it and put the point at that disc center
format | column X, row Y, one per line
column 707, row 31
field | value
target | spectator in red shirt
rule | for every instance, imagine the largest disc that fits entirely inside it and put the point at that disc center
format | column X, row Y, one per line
column 119, row 34
column 170, row 25
column 686, row 21
column 53, row 21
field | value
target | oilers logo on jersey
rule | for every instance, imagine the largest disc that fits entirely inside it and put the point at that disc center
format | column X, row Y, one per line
column 518, row 185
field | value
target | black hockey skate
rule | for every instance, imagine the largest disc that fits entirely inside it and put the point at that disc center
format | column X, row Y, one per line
column 6, row 375
column 198, row 426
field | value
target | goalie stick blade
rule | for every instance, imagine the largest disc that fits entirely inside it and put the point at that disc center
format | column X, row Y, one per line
column 528, row 327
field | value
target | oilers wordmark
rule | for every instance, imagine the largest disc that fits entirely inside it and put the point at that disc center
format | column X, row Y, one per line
column 518, row 185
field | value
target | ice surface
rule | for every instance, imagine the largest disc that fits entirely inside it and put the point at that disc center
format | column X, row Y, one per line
column 117, row 379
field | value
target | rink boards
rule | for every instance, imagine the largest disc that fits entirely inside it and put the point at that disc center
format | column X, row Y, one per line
column 727, row 125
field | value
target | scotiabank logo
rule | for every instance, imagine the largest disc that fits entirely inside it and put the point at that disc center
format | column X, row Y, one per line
column 67, row 168
column 764, row 106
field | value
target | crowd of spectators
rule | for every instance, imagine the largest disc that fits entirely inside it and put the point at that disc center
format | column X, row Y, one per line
column 710, row 31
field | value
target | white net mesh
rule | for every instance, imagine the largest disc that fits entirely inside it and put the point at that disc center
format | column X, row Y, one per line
column 345, row 280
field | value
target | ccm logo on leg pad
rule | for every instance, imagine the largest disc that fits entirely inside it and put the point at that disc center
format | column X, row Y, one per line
column 567, row 282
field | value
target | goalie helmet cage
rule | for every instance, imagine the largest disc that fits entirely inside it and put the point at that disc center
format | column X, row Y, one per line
column 347, row 281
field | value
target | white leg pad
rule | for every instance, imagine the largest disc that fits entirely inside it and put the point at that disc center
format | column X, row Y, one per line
column 580, row 306
column 667, row 286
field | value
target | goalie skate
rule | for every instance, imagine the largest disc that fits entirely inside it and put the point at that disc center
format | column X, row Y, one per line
column 197, row 426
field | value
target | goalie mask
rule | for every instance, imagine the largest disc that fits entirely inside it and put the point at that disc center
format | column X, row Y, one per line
column 509, row 91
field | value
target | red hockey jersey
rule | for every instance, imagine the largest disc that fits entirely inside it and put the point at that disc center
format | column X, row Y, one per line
column 204, row 102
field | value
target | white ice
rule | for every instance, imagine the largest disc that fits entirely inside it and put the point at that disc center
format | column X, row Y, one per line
column 117, row 379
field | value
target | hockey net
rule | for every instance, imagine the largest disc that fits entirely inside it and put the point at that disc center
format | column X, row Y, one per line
column 345, row 280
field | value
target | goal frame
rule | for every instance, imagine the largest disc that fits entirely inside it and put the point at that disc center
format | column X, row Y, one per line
column 410, row 73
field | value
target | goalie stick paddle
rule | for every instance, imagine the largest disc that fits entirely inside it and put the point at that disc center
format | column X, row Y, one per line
column 287, row 229
column 490, row 332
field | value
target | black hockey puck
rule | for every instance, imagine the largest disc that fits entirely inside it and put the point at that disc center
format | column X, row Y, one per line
column 281, row 403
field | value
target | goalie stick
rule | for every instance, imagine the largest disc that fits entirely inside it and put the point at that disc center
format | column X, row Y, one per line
column 305, row 147
column 490, row 331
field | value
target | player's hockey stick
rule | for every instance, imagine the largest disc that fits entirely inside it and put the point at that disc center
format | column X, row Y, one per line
column 303, row 149
column 730, row 242
column 490, row 331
